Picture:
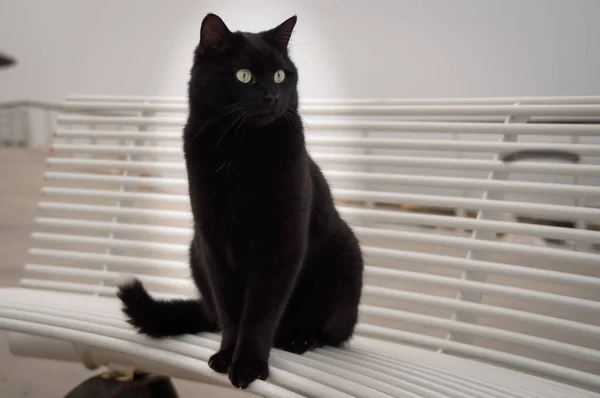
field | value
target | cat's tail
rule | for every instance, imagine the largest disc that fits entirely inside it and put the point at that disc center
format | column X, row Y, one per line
column 162, row 318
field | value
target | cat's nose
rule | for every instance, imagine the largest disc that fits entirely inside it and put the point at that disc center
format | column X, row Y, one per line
column 271, row 98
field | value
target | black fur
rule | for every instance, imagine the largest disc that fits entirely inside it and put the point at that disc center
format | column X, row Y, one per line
column 275, row 263
column 175, row 317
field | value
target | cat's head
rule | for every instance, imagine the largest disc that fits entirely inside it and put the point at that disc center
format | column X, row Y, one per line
column 249, row 74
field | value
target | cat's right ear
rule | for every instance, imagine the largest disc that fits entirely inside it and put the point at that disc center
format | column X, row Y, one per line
column 214, row 34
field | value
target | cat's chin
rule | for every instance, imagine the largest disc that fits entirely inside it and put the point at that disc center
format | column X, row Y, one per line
column 264, row 119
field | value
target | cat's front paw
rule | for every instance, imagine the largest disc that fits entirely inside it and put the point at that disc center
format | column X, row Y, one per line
column 221, row 361
column 244, row 371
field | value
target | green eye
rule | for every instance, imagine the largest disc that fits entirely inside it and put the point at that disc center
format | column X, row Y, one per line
column 279, row 76
column 243, row 75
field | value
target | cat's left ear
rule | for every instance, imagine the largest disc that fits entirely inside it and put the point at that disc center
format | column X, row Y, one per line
column 281, row 35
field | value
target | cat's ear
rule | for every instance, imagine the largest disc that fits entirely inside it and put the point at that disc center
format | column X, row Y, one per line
column 214, row 34
column 281, row 35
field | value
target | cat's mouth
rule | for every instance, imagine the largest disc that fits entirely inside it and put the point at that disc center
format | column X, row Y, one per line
column 266, row 115
column 263, row 112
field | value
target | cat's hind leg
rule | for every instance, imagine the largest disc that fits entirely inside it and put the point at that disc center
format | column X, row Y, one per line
column 298, row 332
column 323, row 309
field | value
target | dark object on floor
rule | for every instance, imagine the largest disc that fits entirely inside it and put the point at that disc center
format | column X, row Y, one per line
column 551, row 223
column 544, row 154
column 142, row 386
column 541, row 154
column 6, row 61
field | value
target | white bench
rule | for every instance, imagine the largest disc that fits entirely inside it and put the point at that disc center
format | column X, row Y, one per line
column 457, row 302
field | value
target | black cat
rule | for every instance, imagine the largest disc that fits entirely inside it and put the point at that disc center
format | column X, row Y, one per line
column 273, row 260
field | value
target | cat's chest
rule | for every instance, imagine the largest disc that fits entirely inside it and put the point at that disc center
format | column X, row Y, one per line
column 244, row 168
column 240, row 190
column 234, row 173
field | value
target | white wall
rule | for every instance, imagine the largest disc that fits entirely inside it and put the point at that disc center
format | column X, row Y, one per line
column 344, row 48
